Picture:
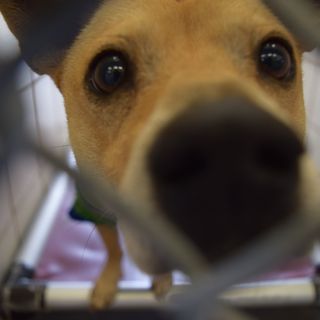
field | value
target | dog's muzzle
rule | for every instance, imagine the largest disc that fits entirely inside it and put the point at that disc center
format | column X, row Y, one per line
column 224, row 172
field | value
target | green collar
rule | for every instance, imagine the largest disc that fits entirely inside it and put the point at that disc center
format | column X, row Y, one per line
column 82, row 210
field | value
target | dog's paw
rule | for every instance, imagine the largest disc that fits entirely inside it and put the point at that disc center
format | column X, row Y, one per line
column 161, row 285
column 102, row 295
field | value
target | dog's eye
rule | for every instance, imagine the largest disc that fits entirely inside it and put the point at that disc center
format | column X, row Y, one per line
column 108, row 72
column 275, row 59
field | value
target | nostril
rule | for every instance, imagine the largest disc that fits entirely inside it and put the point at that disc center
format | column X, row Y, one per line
column 174, row 167
column 274, row 160
column 279, row 157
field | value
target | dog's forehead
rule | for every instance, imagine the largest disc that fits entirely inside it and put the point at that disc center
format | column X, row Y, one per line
column 173, row 13
column 156, row 7
column 168, row 19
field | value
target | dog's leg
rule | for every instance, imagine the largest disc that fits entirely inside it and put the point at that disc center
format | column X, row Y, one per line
column 161, row 285
column 107, row 284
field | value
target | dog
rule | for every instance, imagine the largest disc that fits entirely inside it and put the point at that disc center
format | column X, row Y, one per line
column 193, row 107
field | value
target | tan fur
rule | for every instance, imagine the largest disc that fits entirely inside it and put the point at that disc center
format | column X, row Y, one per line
column 103, row 294
column 182, row 49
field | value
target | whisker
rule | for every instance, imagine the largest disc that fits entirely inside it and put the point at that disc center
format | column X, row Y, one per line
column 87, row 242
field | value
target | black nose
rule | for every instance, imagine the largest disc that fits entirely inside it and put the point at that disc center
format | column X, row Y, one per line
column 225, row 172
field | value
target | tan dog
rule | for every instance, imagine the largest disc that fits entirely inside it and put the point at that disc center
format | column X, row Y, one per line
column 193, row 107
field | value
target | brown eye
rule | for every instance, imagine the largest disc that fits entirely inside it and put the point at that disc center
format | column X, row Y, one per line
column 275, row 60
column 108, row 72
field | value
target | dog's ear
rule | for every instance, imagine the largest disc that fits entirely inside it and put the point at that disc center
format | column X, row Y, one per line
column 29, row 20
column 309, row 36
column 301, row 17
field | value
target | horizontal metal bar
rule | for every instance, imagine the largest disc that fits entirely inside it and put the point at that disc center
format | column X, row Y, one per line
column 52, row 296
column 59, row 296
column 273, row 293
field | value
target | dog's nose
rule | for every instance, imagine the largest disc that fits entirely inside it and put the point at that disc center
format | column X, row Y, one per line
column 225, row 172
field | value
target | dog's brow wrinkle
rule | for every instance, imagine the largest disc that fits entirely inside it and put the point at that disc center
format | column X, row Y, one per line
column 126, row 40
